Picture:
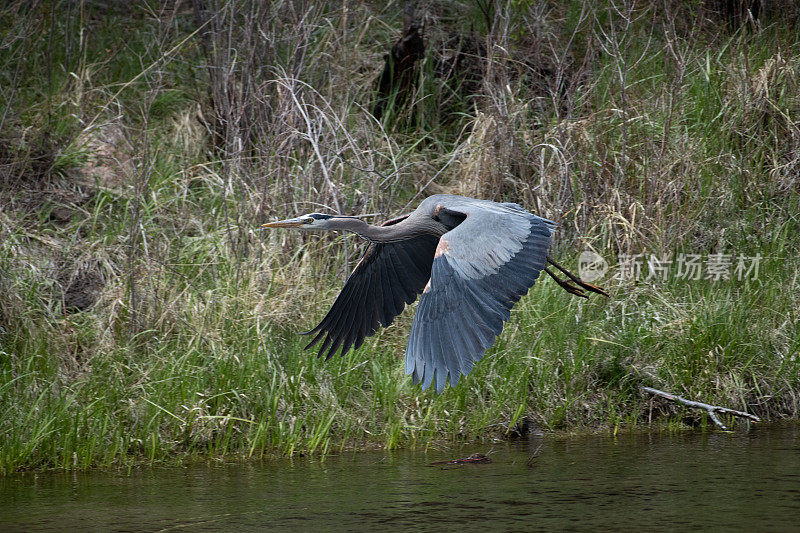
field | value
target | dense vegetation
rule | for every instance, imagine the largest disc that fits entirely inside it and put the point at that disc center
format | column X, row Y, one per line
column 145, row 315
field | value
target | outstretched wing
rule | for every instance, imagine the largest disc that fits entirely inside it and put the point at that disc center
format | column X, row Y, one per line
column 481, row 269
column 388, row 276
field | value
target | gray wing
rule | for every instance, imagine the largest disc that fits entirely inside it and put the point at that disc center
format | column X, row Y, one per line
column 481, row 269
column 388, row 276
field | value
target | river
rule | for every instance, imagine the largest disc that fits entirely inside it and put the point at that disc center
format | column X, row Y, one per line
column 741, row 481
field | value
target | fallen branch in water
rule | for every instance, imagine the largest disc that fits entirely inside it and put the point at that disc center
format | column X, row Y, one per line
column 475, row 458
column 710, row 409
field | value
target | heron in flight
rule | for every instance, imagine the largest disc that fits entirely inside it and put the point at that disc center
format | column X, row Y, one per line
column 471, row 259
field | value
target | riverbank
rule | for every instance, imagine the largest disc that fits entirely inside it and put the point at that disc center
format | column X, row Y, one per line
column 145, row 317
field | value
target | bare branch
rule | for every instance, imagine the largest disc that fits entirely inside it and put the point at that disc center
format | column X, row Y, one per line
column 710, row 409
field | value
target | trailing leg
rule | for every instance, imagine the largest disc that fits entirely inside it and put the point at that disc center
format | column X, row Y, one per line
column 569, row 286
column 566, row 285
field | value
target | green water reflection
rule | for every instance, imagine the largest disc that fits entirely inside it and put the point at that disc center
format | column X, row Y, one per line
column 743, row 481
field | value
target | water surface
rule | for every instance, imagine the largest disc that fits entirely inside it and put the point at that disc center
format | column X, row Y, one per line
column 717, row 481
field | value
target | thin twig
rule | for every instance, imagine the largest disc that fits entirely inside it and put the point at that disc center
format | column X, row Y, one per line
column 456, row 153
column 710, row 409
column 379, row 173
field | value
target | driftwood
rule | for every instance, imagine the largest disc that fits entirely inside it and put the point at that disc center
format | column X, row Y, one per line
column 710, row 409
column 475, row 458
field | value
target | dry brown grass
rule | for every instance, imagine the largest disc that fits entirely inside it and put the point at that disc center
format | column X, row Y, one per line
column 629, row 123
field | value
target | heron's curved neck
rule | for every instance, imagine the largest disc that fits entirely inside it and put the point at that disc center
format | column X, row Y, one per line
column 393, row 233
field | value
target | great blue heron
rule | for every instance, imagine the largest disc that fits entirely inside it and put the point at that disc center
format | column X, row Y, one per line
column 471, row 259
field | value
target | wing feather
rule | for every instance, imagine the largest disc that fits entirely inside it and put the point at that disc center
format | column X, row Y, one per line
column 388, row 276
column 486, row 264
column 360, row 315
column 385, row 292
column 342, row 321
column 394, row 276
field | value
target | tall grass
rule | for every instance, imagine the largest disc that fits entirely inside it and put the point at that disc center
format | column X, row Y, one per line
column 139, row 176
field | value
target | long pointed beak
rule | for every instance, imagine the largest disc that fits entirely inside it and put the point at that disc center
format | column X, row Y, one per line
column 288, row 223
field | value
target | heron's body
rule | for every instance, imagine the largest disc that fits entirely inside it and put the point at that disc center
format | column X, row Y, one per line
column 470, row 259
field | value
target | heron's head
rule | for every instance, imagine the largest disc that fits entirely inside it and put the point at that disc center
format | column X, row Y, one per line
column 312, row 221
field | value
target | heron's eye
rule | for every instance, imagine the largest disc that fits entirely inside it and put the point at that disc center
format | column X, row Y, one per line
column 308, row 220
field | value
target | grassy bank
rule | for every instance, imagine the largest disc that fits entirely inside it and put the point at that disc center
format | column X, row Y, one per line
column 145, row 316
